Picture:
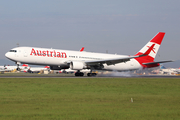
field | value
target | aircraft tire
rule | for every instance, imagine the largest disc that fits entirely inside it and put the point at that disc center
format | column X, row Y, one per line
column 91, row 74
column 18, row 69
column 79, row 74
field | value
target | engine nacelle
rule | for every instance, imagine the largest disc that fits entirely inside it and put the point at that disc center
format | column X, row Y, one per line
column 76, row 65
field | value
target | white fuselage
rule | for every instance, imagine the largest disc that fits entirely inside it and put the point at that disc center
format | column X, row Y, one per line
column 57, row 57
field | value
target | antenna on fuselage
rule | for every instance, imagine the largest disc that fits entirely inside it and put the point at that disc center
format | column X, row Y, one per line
column 106, row 51
column 17, row 44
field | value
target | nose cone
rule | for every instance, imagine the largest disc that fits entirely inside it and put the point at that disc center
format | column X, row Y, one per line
column 7, row 55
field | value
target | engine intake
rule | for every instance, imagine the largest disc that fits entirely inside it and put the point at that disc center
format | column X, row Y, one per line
column 76, row 65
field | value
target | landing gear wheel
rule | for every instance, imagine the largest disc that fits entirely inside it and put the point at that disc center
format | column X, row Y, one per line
column 79, row 74
column 91, row 74
column 18, row 69
column 18, row 63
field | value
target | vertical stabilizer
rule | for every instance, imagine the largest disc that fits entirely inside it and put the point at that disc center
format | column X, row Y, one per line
column 157, row 42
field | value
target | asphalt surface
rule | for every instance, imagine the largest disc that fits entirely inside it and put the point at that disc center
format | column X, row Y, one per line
column 72, row 76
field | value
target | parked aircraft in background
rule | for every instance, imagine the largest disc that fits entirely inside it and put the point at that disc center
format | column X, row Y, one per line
column 11, row 68
column 2, row 71
column 169, row 71
column 36, row 69
column 59, row 59
column 24, row 68
column 2, row 67
column 74, row 71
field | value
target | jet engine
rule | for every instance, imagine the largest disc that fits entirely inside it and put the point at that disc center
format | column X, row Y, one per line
column 76, row 65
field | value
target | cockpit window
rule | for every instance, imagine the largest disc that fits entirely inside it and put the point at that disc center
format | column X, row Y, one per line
column 13, row 50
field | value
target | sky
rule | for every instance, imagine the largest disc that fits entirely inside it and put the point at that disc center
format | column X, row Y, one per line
column 116, row 26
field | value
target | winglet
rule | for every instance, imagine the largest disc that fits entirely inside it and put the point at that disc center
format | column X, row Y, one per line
column 81, row 49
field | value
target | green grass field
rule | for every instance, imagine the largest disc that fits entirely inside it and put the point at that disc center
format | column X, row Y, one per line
column 90, row 98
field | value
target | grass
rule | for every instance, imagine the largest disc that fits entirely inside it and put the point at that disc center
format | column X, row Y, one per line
column 34, row 75
column 90, row 98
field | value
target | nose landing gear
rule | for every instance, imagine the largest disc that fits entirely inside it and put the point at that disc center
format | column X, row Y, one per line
column 18, row 63
column 78, row 73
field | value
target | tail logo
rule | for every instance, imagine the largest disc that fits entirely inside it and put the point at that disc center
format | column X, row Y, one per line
column 152, row 49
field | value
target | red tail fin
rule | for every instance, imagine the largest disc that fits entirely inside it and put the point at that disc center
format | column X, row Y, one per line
column 157, row 42
column 150, row 50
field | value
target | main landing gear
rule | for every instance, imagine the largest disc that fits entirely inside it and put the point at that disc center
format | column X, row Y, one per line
column 91, row 74
column 78, row 73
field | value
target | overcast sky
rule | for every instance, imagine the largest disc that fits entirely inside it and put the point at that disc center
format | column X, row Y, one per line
column 119, row 26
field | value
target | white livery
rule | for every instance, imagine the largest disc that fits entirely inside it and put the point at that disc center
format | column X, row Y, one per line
column 59, row 59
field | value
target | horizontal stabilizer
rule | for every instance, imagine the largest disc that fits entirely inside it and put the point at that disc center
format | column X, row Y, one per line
column 150, row 63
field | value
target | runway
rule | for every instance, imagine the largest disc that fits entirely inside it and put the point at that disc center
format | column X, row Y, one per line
column 25, row 75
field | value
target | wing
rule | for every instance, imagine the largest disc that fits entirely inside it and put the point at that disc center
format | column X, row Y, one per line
column 118, row 60
column 111, row 61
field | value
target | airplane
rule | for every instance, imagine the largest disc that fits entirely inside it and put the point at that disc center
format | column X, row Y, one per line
column 11, row 68
column 73, row 71
column 2, row 67
column 59, row 59
column 169, row 71
column 2, row 71
column 36, row 69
